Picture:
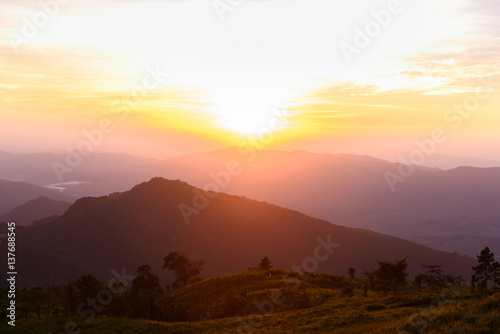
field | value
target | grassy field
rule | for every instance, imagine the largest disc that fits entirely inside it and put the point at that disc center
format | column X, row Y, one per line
column 321, row 303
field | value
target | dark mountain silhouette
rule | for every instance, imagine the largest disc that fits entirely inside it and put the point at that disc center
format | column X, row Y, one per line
column 352, row 190
column 232, row 233
column 35, row 209
column 345, row 189
column 14, row 194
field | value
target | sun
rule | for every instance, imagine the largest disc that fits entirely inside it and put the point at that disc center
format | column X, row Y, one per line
column 248, row 112
column 248, row 120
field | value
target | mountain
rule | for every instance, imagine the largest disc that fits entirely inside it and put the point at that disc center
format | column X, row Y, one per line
column 462, row 244
column 345, row 189
column 352, row 190
column 450, row 162
column 35, row 209
column 125, row 230
column 14, row 194
column 79, row 175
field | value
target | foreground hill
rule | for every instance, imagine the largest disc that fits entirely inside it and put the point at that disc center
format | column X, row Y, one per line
column 261, row 303
column 141, row 226
column 35, row 209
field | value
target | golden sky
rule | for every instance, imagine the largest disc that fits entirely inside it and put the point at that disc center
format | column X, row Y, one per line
column 238, row 69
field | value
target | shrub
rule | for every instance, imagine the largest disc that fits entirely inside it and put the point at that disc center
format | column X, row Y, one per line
column 233, row 306
column 347, row 291
column 375, row 307
column 298, row 300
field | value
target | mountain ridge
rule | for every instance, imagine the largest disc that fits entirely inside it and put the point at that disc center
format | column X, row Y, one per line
column 35, row 209
column 14, row 194
column 144, row 224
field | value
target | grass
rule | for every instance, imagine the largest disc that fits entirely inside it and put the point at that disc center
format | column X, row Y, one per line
column 315, row 305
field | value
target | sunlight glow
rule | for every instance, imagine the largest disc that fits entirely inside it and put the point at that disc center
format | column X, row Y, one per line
column 228, row 77
column 246, row 109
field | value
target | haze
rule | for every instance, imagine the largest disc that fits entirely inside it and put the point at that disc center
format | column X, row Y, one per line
column 230, row 73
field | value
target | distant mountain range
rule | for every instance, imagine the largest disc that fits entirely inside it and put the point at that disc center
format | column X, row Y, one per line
column 231, row 233
column 345, row 189
column 93, row 174
column 352, row 190
column 463, row 244
column 35, row 209
column 14, row 194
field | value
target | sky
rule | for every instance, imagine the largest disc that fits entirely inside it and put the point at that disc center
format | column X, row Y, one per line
column 162, row 78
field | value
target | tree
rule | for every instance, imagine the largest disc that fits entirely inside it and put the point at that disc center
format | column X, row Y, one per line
column 57, row 299
column 265, row 264
column 184, row 269
column 37, row 297
column 496, row 273
column 391, row 275
column 120, row 305
column 146, row 288
column 485, row 269
column 87, row 286
column 70, row 298
column 419, row 280
column 434, row 277
column 370, row 275
column 351, row 271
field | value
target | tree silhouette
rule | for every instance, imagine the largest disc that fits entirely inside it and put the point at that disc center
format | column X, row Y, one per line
column 391, row 274
column 351, row 271
column 265, row 264
column 87, row 286
column 38, row 297
column 70, row 294
column 145, row 290
column 496, row 273
column 370, row 275
column 485, row 270
column 184, row 269
column 434, row 277
column 419, row 280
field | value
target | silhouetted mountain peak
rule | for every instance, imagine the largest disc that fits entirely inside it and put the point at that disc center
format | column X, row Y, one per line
column 35, row 209
column 230, row 233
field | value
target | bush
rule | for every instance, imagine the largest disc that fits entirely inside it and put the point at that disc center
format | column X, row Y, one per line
column 196, row 279
column 327, row 282
column 425, row 301
column 233, row 306
column 276, row 272
column 375, row 307
column 298, row 300
column 347, row 291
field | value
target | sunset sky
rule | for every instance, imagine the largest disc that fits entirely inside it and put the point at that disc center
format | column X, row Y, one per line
column 236, row 70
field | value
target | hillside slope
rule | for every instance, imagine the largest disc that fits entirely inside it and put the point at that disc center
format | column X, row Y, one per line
column 351, row 190
column 262, row 304
column 141, row 226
